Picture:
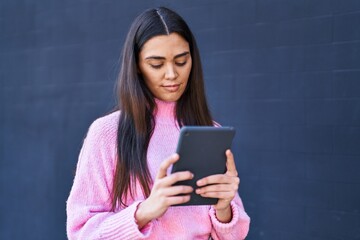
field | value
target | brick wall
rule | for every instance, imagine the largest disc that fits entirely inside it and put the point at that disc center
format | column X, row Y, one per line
column 285, row 73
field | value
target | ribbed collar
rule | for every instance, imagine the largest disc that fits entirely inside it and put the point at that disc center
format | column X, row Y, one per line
column 165, row 111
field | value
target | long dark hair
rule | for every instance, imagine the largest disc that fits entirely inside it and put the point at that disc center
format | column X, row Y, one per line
column 137, row 105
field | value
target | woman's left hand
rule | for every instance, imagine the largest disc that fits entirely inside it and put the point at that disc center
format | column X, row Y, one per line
column 222, row 186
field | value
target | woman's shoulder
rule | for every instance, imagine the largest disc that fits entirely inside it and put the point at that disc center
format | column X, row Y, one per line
column 105, row 126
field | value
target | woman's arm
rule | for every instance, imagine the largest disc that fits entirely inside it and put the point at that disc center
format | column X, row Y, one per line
column 89, row 203
column 164, row 194
column 228, row 216
column 89, row 213
column 237, row 228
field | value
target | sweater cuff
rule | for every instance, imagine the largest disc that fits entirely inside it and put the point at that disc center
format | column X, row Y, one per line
column 145, row 229
column 123, row 223
column 224, row 227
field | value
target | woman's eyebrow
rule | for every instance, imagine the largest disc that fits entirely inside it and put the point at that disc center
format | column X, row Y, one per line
column 181, row 55
column 163, row 58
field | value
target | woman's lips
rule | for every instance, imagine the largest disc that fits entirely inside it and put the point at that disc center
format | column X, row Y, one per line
column 172, row 88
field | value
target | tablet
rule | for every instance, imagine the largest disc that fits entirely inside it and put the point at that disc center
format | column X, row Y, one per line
column 202, row 152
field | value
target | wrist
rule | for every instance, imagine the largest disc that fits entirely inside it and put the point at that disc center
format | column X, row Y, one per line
column 224, row 215
column 141, row 216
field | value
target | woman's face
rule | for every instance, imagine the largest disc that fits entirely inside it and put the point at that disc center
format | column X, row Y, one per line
column 165, row 63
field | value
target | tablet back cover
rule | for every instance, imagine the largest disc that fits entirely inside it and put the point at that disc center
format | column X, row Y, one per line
column 202, row 151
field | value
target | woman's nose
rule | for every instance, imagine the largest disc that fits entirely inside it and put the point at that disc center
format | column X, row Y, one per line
column 170, row 72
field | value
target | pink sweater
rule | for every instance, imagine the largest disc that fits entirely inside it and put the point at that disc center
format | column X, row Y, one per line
column 88, row 206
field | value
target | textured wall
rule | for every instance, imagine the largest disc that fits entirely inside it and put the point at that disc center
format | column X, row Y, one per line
column 285, row 73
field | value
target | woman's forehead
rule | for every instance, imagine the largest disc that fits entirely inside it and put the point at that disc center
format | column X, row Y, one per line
column 165, row 46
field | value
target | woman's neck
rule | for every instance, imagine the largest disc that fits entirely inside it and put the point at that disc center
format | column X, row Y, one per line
column 165, row 111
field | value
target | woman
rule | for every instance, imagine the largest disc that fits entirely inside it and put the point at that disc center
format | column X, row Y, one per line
column 123, row 186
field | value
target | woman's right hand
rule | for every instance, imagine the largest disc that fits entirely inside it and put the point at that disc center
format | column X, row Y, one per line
column 163, row 194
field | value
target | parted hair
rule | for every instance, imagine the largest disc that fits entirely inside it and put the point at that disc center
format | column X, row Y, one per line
column 137, row 105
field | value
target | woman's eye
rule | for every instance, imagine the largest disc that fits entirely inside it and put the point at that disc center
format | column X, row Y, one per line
column 181, row 63
column 156, row 66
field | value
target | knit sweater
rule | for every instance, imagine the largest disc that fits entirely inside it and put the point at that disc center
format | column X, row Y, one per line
column 89, row 203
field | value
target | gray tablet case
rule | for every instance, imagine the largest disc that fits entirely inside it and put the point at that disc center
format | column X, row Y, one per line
column 202, row 151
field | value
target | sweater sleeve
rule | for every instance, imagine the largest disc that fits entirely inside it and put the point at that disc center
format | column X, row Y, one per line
column 89, row 203
column 237, row 228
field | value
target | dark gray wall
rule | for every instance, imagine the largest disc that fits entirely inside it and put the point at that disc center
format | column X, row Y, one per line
column 285, row 73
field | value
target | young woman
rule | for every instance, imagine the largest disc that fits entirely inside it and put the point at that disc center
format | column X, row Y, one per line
column 123, row 188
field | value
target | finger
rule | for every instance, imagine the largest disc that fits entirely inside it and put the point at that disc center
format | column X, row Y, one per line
column 176, row 190
column 230, row 163
column 216, row 179
column 165, row 165
column 177, row 177
column 217, row 188
column 221, row 195
column 177, row 200
column 171, row 179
